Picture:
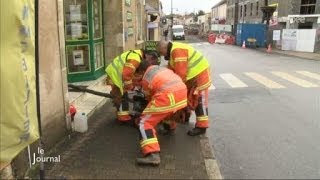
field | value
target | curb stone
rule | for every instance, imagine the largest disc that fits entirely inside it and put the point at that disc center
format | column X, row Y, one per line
column 211, row 164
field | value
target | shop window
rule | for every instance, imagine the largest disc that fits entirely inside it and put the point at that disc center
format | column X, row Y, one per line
column 78, row 58
column 97, row 26
column 98, row 55
column 76, row 20
column 308, row 6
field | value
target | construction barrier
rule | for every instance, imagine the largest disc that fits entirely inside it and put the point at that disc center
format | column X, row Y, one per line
column 221, row 38
column 212, row 38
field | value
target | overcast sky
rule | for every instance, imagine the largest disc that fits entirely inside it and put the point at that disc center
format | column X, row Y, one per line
column 182, row 6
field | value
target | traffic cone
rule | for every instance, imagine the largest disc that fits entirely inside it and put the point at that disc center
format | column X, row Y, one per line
column 269, row 48
column 244, row 44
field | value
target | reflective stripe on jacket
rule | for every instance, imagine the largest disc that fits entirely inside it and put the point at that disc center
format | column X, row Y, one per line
column 115, row 70
column 167, row 91
column 187, row 56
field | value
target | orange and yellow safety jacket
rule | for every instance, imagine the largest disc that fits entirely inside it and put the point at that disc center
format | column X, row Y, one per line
column 189, row 63
column 122, row 69
column 165, row 90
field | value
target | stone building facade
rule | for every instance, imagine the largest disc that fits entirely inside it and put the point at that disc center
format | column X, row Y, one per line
column 219, row 13
column 124, row 26
column 154, row 15
column 249, row 11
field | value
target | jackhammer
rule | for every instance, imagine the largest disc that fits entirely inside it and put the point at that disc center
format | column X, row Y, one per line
column 137, row 101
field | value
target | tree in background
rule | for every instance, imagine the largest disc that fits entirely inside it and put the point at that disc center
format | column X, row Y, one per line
column 199, row 13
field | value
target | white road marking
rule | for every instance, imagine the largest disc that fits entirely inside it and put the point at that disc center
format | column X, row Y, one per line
column 295, row 80
column 212, row 87
column 264, row 80
column 310, row 74
column 233, row 81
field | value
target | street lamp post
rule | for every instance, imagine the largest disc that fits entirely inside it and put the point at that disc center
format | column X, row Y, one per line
column 171, row 20
column 236, row 18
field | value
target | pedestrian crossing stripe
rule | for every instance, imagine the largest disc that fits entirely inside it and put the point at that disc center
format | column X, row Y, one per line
column 310, row 74
column 233, row 81
column 212, row 87
column 293, row 79
column 264, row 80
column 199, row 44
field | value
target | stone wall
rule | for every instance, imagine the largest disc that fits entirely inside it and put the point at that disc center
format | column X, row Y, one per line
column 117, row 36
column 52, row 80
column 113, row 29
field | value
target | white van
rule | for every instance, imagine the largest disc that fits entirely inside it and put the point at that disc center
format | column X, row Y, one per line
column 178, row 32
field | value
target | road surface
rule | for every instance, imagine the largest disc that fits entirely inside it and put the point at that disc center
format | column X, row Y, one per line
column 264, row 111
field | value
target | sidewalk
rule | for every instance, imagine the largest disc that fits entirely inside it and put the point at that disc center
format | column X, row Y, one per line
column 108, row 151
column 304, row 55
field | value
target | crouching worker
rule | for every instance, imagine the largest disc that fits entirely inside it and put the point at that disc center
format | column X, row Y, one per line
column 194, row 70
column 121, row 75
column 166, row 94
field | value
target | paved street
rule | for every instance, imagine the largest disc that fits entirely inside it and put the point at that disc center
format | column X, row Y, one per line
column 108, row 151
column 265, row 113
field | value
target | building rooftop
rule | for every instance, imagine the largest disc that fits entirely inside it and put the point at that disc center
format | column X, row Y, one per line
column 219, row 3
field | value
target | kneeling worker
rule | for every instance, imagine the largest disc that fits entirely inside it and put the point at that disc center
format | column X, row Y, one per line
column 166, row 94
column 120, row 75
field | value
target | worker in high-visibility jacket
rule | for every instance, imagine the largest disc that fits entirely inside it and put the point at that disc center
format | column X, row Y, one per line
column 166, row 94
column 194, row 70
column 121, row 76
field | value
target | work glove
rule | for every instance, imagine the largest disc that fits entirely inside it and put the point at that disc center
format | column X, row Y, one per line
column 193, row 98
column 116, row 97
column 129, row 87
column 179, row 116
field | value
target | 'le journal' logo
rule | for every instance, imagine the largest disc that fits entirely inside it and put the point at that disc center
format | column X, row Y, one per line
column 42, row 158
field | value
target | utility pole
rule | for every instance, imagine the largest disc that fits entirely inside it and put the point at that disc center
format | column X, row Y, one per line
column 236, row 18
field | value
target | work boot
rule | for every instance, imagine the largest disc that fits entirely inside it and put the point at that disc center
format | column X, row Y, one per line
column 151, row 159
column 197, row 131
column 165, row 130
